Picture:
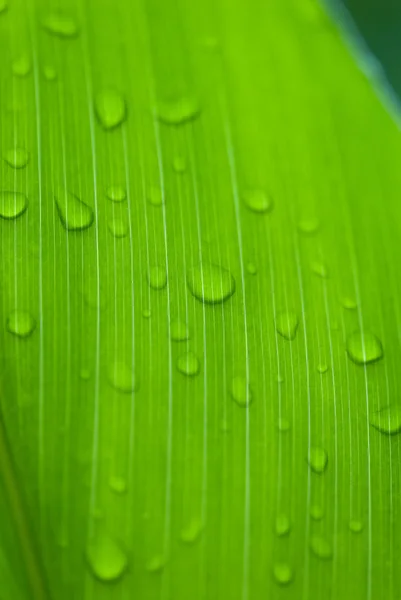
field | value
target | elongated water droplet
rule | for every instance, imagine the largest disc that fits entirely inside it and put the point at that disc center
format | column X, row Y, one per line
column 387, row 420
column 179, row 164
column 188, row 364
column 21, row 323
column 22, row 66
column 241, row 392
column 118, row 226
column 179, row 111
column 317, row 459
column 355, row 526
column 308, row 226
column 61, row 25
column 155, row 196
column 110, row 108
column 283, row 525
column 179, row 331
column 116, row 193
column 121, row 377
column 364, row 347
column 17, row 158
column 258, row 201
column 316, row 512
column 157, row 277
column 191, row 533
column 118, row 485
column 287, row 325
column 12, row 204
column 106, row 558
column 210, row 283
column 74, row 214
column 320, row 547
column 282, row 573
column 156, row 564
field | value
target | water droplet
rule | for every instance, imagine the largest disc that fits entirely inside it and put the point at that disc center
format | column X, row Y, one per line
column 155, row 196
column 287, row 325
column 3, row 6
column 179, row 164
column 320, row 269
column 188, row 364
column 178, row 112
column 308, row 226
column 191, row 533
column 282, row 573
column 74, row 214
column 364, row 348
column 283, row 525
column 49, row 73
column 22, row 66
column 157, row 277
column 21, row 323
column 387, row 420
column 61, row 25
column 320, row 547
column 257, row 201
column 179, row 331
column 17, row 158
column 118, row 226
column 210, row 283
column 12, row 204
column 121, row 377
column 146, row 313
column 241, row 392
column 118, row 485
column 110, row 108
column 348, row 303
column 251, row 268
column 355, row 526
column 316, row 512
column 116, row 193
column 156, row 564
column 84, row 374
column 322, row 369
column 283, row 425
column 106, row 558
column 317, row 459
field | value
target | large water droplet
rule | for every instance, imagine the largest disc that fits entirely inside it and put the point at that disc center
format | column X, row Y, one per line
column 210, row 283
column 106, row 558
column 17, row 157
column 74, row 214
column 110, row 108
column 287, row 325
column 364, row 347
column 188, row 364
column 118, row 226
column 283, row 525
column 241, row 392
column 258, row 201
column 61, row 25
column 116, row 193
column 191, row 533
column 317, row 459
column 387, row 420
column 320, row 547
column 22, row 66
column 179, row 331
column 157, row 277
column 21, row 323
column 282, row 573
column 179, row 111
column 12, row 204
column 121, row 377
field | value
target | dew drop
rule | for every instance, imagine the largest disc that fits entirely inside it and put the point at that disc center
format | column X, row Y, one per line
column 320, row 270
column 122, row 378
column 308, row 226
column 251, row 268
column 322, row 368
column 84, row 374
column 287, row 325
column 12, row 204
column 191, row 533
column 17, row 158
column 21, row 323
column 118, row 226
column 179, row 331
column 257, row 201
column 210, row 283
column 317, row 459
column 49, row 73
column 156, row 564
column 116, row 193
column 146, row 313
column 348, row 303
column 61, row 25
column 320, row 547
column 106, row 558
column 188, row 364
column 283, row 525
column 157, row 277
column 241, row 392
column 178, row 112
column 355, row 526
column 22, row 66
column 74, row 214
column 282, row 573
column 118, row 485
column 364, row 347
column 387, row 420
column 110, row 108
column 316, row 512
column 179, row 165
column 155, row 196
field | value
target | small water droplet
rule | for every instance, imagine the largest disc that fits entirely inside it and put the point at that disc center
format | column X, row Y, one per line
column 156, row 564
column 118, row 226
column 308, row 226
column 320, row 547
column 283, row 525
column 190, row 534
column 22, row 66
column 348, row 303
column 287, row 325
column 121, row 377
column 49, row 73
column 241, row 392
column 178, row 112
column 317, row 459
column 210, row 283
column 146, row 313
column 282, row 573
column 355, row 526
column 85, row 374
column 61, row 25
column 155, row 196
column 283, row 425
column 320, row 270
column 179, row 164
column 21, row 323
column 110, row 108
column 364, row 347
column 322, row 368
column 157, row 277
column 258, row 201
column 12, row 204
column 179, row 331
column 17, row 158
column 316, row 512
column 116, row 193
column 387, row 420
column 251, row 268
column 188, row 364
column 118, row 485
column 74, row 214
column 106, row 558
